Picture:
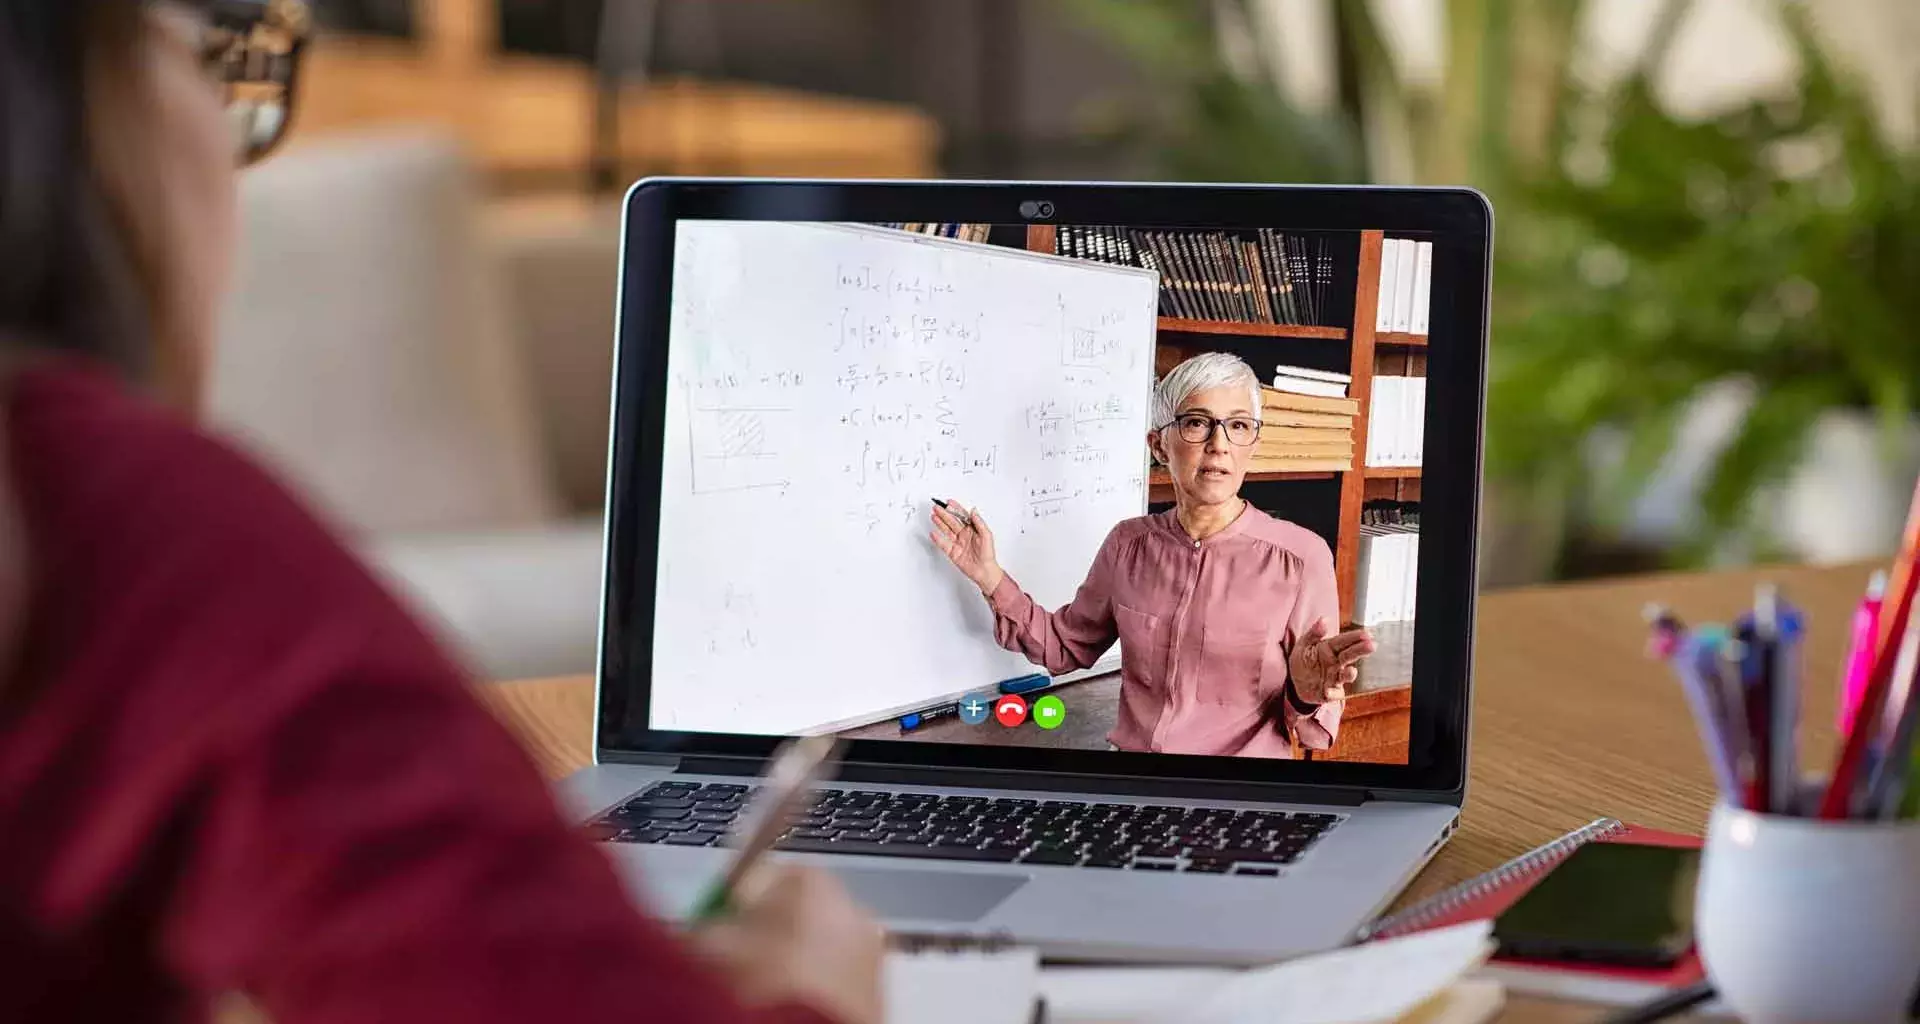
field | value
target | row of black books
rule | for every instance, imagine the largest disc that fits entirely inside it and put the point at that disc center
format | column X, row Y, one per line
column 963, row 232
column 1256, row 277
column 1383, row 512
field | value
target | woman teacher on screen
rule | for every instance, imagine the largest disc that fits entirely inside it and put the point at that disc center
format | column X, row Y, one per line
column 1227, row 617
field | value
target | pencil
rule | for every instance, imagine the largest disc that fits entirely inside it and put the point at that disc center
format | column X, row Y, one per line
column 789, row 779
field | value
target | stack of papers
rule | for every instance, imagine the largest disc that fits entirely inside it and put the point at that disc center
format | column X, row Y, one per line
column 1420, row 978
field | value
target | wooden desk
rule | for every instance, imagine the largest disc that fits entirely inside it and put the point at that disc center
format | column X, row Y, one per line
column 1570, row 723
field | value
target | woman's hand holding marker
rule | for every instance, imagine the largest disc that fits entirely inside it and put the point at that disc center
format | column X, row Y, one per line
column 967, row 541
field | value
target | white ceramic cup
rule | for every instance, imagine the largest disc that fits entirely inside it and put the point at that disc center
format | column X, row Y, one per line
column 1800, row 920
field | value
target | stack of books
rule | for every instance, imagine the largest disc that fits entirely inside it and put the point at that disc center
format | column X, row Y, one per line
column 963, row 232
column 1396, row 421
column 1269, row 278
column 1406, row 284
column 1306, row 423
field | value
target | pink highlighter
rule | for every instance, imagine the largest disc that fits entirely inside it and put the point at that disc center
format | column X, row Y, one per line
column 1866, row 634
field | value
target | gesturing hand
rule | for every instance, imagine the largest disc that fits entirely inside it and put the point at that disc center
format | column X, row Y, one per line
column 1323, row 665
column 968, row 545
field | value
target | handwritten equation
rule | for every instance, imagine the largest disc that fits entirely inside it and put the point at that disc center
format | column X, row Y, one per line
column 730, row 381
column 877, row 465
column 938, row 418
column 1052, row 500
column 865, row 331
column 867, row 279
column 942, row 374
column 1056, row 416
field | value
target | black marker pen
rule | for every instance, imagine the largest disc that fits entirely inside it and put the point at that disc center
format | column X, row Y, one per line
column 965, row 520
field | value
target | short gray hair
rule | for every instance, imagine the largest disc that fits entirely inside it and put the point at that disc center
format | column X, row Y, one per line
column 1203, row 372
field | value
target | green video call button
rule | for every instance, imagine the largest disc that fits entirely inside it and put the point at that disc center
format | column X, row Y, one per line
column 1049, row 712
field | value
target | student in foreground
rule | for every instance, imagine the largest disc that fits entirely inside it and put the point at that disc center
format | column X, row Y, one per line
column 1228, row 619
column 229, row 762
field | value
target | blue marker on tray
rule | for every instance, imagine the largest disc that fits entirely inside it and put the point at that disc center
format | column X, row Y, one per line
column 1024, row 684
column 915, row 719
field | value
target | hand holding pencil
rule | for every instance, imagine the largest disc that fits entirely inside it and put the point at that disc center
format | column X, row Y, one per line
column 967, row 541
column 794, row 936
column 787, row 934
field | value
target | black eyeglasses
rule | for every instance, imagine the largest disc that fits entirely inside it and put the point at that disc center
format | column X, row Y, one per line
column 1198, row 428
column 253, row 47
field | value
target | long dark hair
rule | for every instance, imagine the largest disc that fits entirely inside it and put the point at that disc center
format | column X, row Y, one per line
column 68, row 278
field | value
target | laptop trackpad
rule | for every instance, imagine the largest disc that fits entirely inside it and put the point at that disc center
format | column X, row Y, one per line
column 928, row 895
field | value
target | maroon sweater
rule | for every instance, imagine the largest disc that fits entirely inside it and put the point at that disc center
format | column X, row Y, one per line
column 231, row 762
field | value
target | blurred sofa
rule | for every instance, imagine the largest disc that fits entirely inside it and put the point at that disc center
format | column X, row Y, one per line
column 433, row 372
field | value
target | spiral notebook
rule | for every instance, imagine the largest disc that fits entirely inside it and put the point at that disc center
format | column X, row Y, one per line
column 1484, row 896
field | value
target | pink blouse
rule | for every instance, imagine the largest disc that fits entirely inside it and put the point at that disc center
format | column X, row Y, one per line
column 1204, row 629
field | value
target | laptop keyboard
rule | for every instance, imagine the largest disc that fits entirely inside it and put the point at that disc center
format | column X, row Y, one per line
column 1063, row 833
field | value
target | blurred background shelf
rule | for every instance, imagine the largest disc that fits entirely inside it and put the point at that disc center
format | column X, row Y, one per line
column 1393, row 472
column 1400, row 338
column 536, row 121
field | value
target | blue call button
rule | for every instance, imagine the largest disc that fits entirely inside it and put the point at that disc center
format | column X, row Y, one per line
column 975, row 708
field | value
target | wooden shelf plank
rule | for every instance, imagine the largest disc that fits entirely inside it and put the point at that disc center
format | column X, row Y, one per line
column 1179, row 325
column 1400, row 338
column 1393, row 472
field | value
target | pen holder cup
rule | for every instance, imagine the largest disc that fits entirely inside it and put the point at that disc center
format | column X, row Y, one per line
column 1805, row 920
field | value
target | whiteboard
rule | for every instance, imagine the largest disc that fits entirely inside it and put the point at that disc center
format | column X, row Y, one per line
column 825, row 382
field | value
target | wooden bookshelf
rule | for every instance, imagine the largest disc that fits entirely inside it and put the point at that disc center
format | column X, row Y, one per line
column 1181, row 325
column 1353, row 486
column 1181, row 337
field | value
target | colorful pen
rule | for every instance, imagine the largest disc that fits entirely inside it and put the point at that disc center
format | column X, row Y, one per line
column 1890, row 749
column 1751, row 655
column 1781, row 626
column 1665, row 631
column 1697, row 666
column 1853, row 751
column 1733, row 703
column 1866, row 631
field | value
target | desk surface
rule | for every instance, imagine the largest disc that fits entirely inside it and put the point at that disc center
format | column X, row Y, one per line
column 1570, row 723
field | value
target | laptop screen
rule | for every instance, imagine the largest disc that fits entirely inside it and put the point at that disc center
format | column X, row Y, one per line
column 1086, row 487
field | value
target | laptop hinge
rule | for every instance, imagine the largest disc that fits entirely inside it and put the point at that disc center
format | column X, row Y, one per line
column 1028, row 779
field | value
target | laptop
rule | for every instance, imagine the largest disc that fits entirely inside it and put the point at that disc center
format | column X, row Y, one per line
column 1104, row 756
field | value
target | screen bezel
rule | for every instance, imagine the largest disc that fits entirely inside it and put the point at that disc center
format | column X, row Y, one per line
column 1460, row 222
